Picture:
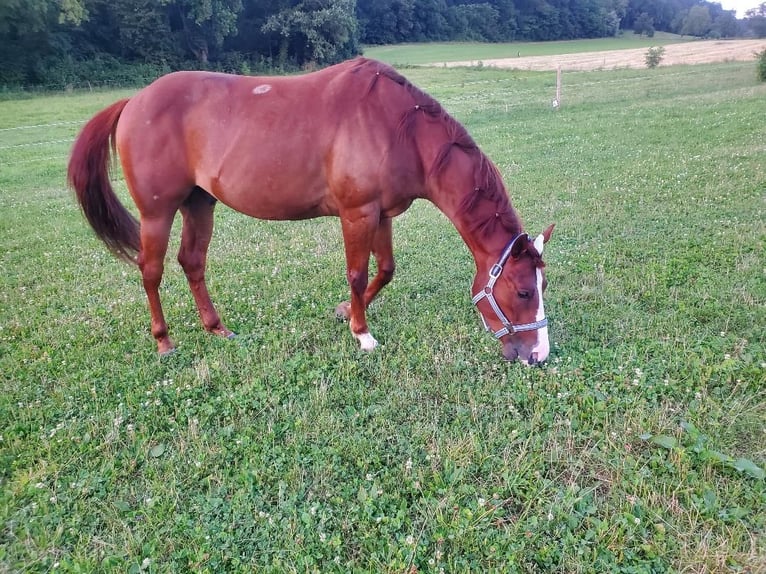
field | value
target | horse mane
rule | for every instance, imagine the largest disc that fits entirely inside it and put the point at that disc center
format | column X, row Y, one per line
column 487, row 183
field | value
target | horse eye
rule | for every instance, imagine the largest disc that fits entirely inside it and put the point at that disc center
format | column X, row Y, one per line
column 523, row 294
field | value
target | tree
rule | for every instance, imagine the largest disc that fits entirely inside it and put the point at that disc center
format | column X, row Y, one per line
column 72, row 12
column 206, row 23
column 661, row 13
column 141, row 29
column 507, row 25
column 644, row 24
column 94, row 40
column 29, row 33
column 539, row 20
column 19, row 18
column 161, row 30
column 725, row 25
column 318, row 31
column 431, row 21
column 697, row 21
column 476, row 22
column 756, row 20
column 386, row 21
column 595, row 18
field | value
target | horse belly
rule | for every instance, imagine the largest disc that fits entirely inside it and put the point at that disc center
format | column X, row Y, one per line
column 267, row 195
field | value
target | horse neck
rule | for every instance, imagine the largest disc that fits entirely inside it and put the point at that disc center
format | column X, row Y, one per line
column 459, row 179
column 484, row 218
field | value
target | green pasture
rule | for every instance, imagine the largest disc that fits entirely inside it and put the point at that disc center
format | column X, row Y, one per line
column 637, row 448
column 435, row 52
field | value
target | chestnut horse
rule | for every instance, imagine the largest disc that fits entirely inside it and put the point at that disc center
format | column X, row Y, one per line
column 355, row 140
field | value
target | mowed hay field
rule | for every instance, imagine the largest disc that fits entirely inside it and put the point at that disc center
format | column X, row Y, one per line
column 638, row 447
column 698, row 52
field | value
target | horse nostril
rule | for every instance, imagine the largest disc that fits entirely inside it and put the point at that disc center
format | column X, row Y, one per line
column 510, row 354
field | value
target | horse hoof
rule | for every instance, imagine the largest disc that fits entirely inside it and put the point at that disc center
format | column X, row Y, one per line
column 367, row 342
column 168, row 353
column 343, row 311
column 231, row 335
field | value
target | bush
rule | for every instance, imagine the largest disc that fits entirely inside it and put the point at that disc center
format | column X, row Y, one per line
column 654, row 56
column 761, row 66
column 100, row 70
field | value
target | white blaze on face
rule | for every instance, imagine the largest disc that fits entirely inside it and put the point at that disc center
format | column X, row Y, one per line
column 542, row 348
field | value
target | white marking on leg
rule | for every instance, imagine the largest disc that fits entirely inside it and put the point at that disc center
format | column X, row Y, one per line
column 543, row 346
column 366, row 341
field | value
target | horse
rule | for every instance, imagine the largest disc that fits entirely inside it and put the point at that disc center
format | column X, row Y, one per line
column 355, row 140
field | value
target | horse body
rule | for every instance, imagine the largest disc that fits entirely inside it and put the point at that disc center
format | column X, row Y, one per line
column 242, row 139
column 355, row 140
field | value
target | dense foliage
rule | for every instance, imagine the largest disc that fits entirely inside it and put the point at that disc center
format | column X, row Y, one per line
column 68, row 41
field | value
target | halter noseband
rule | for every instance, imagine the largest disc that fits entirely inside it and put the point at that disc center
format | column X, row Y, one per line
column 508, row 327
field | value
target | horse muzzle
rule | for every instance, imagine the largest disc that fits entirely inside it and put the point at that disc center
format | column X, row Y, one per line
column 529, row 355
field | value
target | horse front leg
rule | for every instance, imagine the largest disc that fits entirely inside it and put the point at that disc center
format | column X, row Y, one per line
column 382, row 249
column 197, row 212
column 359, row 228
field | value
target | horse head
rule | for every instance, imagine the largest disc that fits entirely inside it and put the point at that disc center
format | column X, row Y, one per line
column 510, row 299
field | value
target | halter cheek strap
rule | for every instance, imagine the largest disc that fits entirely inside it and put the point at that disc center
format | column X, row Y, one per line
column 494, row 273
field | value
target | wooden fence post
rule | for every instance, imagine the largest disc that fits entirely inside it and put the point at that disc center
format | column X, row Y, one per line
column 557, row 100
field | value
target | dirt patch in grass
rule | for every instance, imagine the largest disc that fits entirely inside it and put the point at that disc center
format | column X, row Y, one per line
column 685, row 53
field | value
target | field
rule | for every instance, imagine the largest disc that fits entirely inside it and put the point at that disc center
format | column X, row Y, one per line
column 638, row 447
column 438, row 52
column 702, row 52
column 628, row 51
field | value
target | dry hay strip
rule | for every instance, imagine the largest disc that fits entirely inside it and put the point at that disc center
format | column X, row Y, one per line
column 684, row 53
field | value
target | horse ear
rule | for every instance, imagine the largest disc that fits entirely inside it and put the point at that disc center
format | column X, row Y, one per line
column 548, row 232
column 519, row 246
column 543, row 238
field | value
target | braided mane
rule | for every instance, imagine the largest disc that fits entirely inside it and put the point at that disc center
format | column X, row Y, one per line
column 488, row 185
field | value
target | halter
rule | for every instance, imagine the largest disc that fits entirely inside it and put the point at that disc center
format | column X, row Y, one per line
column 508, row 327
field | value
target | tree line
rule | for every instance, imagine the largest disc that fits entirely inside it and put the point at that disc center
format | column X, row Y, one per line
column 59, row 42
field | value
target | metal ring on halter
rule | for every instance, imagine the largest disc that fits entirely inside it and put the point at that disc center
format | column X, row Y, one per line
column 494, row 273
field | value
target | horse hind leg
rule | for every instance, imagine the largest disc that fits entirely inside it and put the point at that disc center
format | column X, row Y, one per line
column 155, row 232
column 197, row 212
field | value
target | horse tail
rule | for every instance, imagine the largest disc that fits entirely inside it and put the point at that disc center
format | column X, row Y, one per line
column 88, row 175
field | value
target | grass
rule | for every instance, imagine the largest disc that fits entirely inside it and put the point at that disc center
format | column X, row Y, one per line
column 415, row 54
column 637, row 448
